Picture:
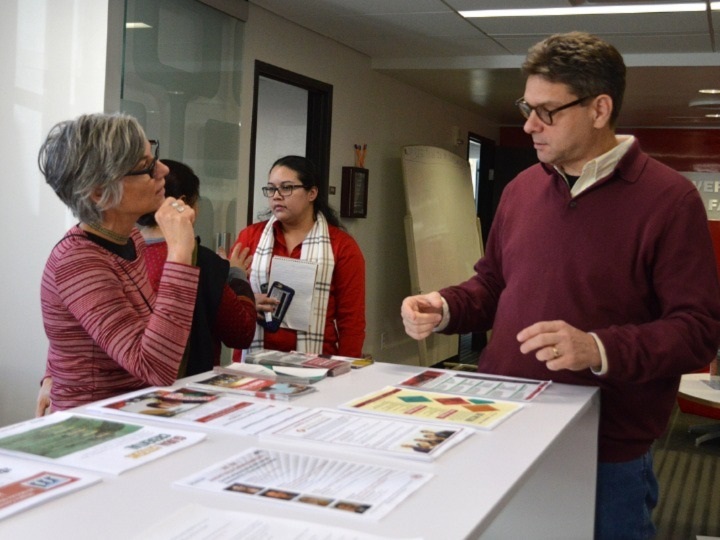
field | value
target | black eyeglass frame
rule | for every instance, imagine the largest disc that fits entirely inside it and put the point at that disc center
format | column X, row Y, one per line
column 151, row 169
column 526, row 109
column 285, row 190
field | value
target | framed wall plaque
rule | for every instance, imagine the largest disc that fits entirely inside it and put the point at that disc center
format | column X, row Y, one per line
column 354, row 192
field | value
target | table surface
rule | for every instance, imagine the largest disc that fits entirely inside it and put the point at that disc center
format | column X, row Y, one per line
column 694, row 387
column 472, row 485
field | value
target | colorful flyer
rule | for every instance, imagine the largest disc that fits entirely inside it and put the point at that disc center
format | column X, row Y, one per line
column 423, row 406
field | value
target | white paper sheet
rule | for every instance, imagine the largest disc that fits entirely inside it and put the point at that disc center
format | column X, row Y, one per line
column 311, row 482
column 185, row 406
column 196, row 522
column 479, row 385
column 300, row 276
column 363, row 433
column 24, row 484
column 97, row 444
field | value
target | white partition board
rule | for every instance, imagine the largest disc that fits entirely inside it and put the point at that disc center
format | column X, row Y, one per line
column 442, row 230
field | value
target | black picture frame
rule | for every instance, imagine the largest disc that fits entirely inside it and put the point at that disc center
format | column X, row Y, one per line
column 354, row 192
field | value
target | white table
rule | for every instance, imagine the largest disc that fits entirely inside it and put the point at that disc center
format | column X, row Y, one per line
column 694, row 387
column 696, row 396
column 533, row 476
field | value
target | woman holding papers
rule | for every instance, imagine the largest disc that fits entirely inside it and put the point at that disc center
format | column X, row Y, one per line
column 109, row 332
column 303, row 227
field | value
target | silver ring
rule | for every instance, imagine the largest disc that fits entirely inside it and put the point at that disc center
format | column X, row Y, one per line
column 177, row 206
column 556, row 353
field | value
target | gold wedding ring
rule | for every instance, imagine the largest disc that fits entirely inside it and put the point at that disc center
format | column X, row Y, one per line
column 556, row 353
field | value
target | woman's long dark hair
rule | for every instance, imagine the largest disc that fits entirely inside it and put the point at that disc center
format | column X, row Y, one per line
column 307, row 174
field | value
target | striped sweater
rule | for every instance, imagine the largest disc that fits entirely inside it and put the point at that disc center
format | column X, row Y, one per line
column 104, row 337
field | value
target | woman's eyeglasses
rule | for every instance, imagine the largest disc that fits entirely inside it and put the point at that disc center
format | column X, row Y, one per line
column 154, row 144
column 285, row 190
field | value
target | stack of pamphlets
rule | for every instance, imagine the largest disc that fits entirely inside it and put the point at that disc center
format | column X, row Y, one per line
column 252, row 386
column 335, row 365
column 304, row 375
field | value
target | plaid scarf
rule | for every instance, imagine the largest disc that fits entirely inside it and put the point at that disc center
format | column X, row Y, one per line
column 316, row 248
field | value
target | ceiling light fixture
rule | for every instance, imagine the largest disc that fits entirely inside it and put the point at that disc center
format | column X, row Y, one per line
column 131, row 25
column 591, row 10
column 709, row 91
column 712, row 116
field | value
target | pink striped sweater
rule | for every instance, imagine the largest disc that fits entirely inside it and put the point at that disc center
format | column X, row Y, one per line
column 104, row 338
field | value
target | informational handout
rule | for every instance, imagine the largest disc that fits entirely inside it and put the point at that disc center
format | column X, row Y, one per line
column 24, row 484
column 300, row 276
column 310, row 482
column 196, row 522
column 478, row 385
column 423, row 406
column 189, row 406
column 96, row 444
column 368, row 434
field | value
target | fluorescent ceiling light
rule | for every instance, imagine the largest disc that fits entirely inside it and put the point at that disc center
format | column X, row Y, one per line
column 709, row 91
column 590, row 10
column 131, row 25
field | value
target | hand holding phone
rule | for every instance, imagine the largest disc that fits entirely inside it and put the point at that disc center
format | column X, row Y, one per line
column 283, row 294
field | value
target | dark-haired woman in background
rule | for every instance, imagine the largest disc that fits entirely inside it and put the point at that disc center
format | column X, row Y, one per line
column 304, row 227
column 225, row 305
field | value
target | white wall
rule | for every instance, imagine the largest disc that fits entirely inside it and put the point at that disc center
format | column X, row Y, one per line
column 53, row 60
column 52, row 54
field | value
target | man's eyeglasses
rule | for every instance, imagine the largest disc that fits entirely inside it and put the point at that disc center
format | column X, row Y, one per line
column 155, row 144
column 545, row 115
column 285, row 190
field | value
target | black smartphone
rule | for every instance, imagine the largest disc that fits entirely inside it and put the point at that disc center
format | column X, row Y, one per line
column 284, row 295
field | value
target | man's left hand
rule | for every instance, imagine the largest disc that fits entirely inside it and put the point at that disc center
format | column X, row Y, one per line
column 560, row 346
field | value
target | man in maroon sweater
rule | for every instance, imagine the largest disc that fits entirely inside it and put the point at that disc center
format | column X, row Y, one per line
column 599, row 271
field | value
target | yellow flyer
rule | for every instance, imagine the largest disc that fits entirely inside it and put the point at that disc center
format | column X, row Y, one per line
column 407, row 403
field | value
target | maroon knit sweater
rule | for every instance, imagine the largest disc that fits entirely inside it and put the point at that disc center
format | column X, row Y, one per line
column 630, row 259
column 104, row 339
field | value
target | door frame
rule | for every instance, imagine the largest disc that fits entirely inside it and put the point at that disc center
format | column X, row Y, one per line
column 319, row 123
column 484, row 182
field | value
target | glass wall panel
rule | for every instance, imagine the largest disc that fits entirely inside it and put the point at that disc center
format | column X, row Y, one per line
column 181, row 79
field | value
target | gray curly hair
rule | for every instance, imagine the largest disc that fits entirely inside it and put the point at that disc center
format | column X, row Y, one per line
column 90, row 155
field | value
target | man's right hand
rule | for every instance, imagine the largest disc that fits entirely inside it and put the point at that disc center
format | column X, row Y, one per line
column 421, row 314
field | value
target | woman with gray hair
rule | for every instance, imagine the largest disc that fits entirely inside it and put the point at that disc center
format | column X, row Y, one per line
column 109, row 332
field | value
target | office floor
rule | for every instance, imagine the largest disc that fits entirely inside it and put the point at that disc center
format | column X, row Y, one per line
column 689, row 475
column 689, row 479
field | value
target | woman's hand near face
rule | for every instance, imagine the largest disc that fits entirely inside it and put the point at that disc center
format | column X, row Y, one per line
column 176, row 219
